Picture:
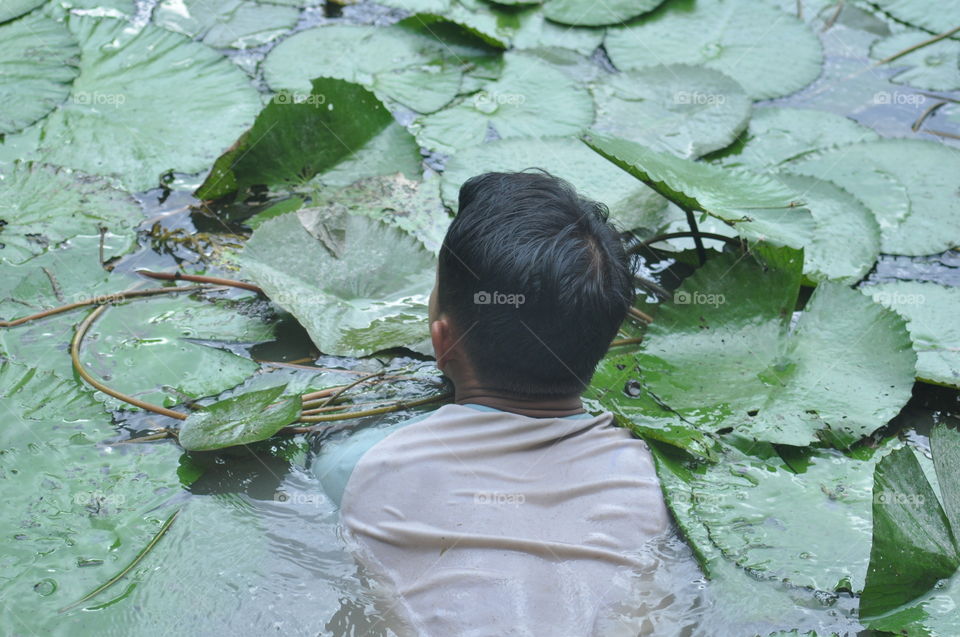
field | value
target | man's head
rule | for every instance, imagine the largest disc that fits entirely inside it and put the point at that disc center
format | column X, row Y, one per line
column 532, row 284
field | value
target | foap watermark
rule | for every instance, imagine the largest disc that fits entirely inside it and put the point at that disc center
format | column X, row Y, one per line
column 98, row 499
column 498, row 298
column 285, row 97
column 897, row 497
column 298, row 499
column 699, row 98
column 898, row 97
column 888, row 297
column 96, row 98
column 498, row 497
column 492, row 98
column 683, row 297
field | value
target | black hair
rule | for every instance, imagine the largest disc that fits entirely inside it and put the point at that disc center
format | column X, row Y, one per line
column 536, row 280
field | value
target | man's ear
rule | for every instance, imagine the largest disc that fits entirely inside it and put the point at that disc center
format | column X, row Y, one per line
column 442, row 337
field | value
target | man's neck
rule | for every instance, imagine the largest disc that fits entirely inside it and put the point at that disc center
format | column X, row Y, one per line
column 535, row 408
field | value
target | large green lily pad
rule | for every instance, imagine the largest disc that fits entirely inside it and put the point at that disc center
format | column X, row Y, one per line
column 408, row 65
column 742, row 503
column 723, row 355
column 413, row 206
column 76, row 510
column 357, row 284
column 590, row 13
column 240, row 420
column 935, row 66
column 686, row 110
column 908, row 184
column 748, row 41
column 776, row 135
column 41, row 206
column 227, row 23
column 631, row 203
column 297, row 136
column 757, row 206
column 114, row 124
column 38, row 61
column 931, row 312
column 531, row 99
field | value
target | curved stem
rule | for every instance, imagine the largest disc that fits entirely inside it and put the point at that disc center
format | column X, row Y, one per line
column 370, row 412
column 75, row 357
column 103, row 299
column 687, row 233
column 179, row 276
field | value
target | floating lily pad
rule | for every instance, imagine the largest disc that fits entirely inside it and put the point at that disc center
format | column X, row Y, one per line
column 918, row 13
column 931, row 311
column 531, row 99
column 686, row 110
column 846, row 243
column 745, row 40
column 38, row 62
column 534, row 31
column 935, row 66
column 361, row 287
column 240, row 420
column 14, row 8
column 632, row 204
column 757, row 206
column 589, row 13
column 228, row 23
column 908, row 184
column 297, row 136
column 390, row 151
column 404, row 64
column 412, row 206
column 42, row 205
column 76, row 510
column 741, row 502
column 723, row 355
column 776, row 135
column 114, row 124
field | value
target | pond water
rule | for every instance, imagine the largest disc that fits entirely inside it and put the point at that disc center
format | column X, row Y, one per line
column 255, row 550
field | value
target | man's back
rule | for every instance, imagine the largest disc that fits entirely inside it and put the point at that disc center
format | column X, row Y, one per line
column 485, row 522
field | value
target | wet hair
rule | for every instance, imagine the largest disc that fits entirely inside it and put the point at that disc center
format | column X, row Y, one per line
column 535, row 279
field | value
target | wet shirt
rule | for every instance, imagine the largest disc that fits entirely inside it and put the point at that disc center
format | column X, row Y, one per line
column 476, row 521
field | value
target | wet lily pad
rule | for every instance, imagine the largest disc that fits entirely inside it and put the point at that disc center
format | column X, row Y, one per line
column 776, row 541
column 240, row 420
column 531, row 99
column 908, row 185
column 38, row 62
column 76, row 510
column 686, row 110
column 589, row 13
column 412, row 206
column 41, row 206
column 846, row 243
column 723, row 355
column 935, row 66
column 361, row 287
column 931, row 312
column 228, row 23
column 776, row 135
column 297, row 136
column 404, row 64
column 757, row 206
column 913, row 544
column 745, row 40
column 114, row 124
column 632, row 204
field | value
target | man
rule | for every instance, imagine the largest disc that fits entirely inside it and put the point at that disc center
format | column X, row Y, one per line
column 511, row 511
